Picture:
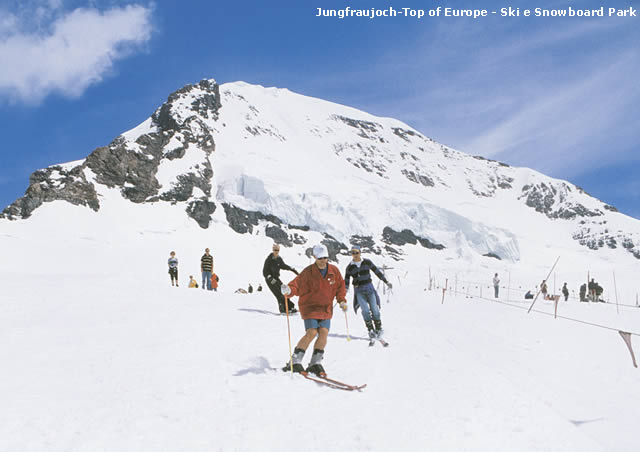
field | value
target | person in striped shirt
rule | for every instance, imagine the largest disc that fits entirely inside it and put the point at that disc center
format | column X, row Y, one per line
column 206, row 267
column 365, row 295
column 173, row 268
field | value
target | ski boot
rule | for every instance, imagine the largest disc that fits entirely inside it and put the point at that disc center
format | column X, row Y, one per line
column 378, row 329
column 314, row 366
column 297, row 356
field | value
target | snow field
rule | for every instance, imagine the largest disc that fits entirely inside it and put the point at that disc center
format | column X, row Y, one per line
column 104, row 363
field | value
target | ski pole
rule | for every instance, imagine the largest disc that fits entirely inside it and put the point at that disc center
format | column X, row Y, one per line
column 347, row 322
column 286, row 307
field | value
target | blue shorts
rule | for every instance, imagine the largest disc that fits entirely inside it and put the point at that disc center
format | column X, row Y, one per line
column 316, row 323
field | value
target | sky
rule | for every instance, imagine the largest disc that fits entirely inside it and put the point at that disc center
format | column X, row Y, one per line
column 556, row 94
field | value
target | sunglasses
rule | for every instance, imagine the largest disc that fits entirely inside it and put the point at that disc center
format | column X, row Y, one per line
column 355, row 252
column 322, row 258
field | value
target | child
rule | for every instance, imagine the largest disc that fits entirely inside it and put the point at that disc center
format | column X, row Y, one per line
column 173, row 268
column 192, row 283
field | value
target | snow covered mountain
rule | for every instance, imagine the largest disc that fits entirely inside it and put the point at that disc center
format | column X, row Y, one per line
column 103, row 354
column 283, row 164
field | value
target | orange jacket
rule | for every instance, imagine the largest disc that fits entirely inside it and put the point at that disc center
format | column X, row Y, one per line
column 214, row 280
column 316, row 293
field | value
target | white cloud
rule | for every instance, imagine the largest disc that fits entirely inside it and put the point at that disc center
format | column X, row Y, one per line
column 75, row 50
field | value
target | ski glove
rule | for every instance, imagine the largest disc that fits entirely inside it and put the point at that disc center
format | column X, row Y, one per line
column 343, row 306
column 271, row 280
column 285, row 289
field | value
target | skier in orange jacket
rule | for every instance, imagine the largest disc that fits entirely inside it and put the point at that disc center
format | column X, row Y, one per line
column 317, row 286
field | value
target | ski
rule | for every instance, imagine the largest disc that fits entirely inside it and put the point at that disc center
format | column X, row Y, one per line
column 382, row 341
column 332, row 383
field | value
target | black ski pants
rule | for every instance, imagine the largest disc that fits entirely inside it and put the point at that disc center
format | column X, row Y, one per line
column 276, row 291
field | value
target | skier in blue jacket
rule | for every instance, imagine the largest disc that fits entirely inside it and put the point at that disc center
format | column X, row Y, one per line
column 365, row 296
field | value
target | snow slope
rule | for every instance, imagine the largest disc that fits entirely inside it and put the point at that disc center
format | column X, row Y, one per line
column 102, row 354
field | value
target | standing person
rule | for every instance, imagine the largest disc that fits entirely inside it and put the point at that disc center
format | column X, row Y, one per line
column 543, row 289
column 206, row 267
column 317, row 286
column 173, row 268
column 496, row 285
column 271, row 272
column 592, row 289
column 565, row 292
column 365, row 295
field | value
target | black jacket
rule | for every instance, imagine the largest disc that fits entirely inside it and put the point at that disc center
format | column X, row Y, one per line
column 272, row 267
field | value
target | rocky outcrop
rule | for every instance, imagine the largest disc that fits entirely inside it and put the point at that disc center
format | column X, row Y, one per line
column 132, row 166
column 492, row 255
column 201, row 210
column 596, row 234
column 366, row 129
column 553, row 201
column 133, row 172
column 55, row 183
column 366, row 244
column 418, row 178
column 406, row 236
column 243, row 221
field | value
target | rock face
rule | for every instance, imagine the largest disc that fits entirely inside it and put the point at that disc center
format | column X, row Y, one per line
column 250, row 222
column 596, row 234
column 554, row 203
column 51, row 184
column 132, row 166
column 406, row 236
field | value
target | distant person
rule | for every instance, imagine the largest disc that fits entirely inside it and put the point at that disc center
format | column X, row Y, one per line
column 599, row 291
column 496, row 285
column 206, row 267
column 543, row 289
column 259, row 289
column 528, row 295
column 214, row 282
column 271, row 272
column 192, row 283
column 317, row 286
column 365, row 295
column 250, row 289
column 583, row 292
column 173, row 268
column 592, row 289
column 565, row 292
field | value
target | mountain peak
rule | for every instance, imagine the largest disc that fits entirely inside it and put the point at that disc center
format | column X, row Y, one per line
column 279, row 161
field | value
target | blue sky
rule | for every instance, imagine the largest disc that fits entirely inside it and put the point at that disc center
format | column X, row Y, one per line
column 560, row 95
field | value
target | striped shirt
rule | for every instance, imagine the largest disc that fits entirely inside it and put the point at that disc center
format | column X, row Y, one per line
column 206, row 263
column 360, row 272
column 173, row 262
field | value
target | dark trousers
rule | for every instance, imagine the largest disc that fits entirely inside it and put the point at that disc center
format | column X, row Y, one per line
column 276, row 291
